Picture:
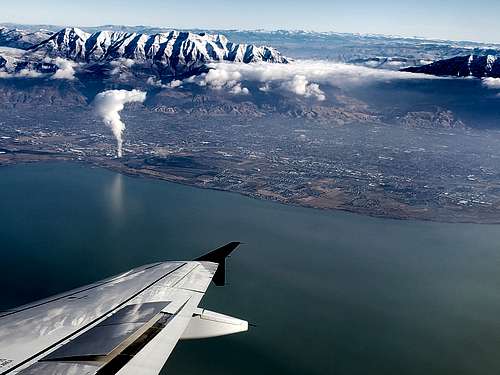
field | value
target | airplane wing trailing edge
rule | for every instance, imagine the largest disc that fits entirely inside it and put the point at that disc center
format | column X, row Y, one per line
column 127, row 324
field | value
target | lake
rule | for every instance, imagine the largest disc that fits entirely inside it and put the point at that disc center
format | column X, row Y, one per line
column 329, row 292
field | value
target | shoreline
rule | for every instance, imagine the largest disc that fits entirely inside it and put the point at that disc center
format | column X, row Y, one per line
column 111, row 165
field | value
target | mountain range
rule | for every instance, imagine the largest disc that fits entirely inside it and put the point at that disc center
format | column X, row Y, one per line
column 172, row 53
column 478, row 66
column 22, row 39
column 175, row 53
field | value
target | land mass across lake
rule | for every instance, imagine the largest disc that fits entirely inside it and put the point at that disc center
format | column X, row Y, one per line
column 411, row 174
column 419, row 148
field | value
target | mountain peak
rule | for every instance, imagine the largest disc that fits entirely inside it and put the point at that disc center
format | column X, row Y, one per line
column 16, row 38
column 478, row 66
column 181, row 51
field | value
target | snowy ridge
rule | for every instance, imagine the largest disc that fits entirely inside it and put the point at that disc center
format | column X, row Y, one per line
column 479, row 66
column 181, row 51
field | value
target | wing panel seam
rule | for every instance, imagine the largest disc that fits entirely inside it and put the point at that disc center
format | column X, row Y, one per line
column 91, row 323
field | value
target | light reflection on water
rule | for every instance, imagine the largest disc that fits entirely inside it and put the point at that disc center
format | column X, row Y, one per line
column 116, row 197
column 331, row 293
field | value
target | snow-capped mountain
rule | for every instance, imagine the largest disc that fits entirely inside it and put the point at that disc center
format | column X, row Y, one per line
column 182, row 51
column 22, row 39
column 462, row 66
column 169, row 54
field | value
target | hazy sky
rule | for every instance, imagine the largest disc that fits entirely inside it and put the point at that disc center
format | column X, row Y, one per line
column 447, row 19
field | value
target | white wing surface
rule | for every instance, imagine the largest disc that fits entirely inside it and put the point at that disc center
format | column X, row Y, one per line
column 127, row 324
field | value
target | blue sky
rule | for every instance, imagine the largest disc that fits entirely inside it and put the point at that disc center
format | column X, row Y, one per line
column 447, row 19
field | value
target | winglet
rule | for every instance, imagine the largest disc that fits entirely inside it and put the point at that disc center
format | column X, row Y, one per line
column 219, row 256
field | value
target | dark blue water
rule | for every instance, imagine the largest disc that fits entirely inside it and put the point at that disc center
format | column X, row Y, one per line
column 330, row 292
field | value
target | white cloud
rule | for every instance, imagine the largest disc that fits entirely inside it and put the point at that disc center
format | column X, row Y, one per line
column 371, row 63
column 23, row 73
column 265, row 88
column 108, row 105
column 194, row 79
column 426, row 62
column 65, row 69
column 121, row 64
column 152, row 81
column 396, row 64
column 26, row 73
column 301, row 77
column 124, row 62
column 301, row 86
column 175, row 83
column 238, row 90
column 219, row 78
column 492, row 83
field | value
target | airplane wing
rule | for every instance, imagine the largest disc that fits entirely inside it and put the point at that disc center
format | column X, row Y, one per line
column 127, row 324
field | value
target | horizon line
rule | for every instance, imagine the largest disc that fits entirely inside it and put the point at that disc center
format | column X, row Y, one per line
column 270, row 30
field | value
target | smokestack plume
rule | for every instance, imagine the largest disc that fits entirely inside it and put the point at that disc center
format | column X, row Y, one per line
column 108, row 105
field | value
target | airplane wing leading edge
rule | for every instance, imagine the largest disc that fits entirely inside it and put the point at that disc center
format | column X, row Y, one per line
column 127, row 324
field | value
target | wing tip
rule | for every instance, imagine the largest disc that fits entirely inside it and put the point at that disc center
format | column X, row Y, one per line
column 219, row 256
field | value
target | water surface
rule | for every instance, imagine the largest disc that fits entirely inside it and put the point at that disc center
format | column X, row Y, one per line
column 330, row 292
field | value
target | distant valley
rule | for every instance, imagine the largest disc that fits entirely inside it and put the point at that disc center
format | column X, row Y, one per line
column 331, row 121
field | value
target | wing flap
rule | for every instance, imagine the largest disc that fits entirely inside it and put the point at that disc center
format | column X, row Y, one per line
column 126, row 324
column 110, row 333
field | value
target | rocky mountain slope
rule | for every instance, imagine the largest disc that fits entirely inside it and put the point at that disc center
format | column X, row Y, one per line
column 175, row 53
column 462, row 66
column 22, row 39
column 172, row 48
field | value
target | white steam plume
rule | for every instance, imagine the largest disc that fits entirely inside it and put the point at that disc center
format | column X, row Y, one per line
column 108, row 105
